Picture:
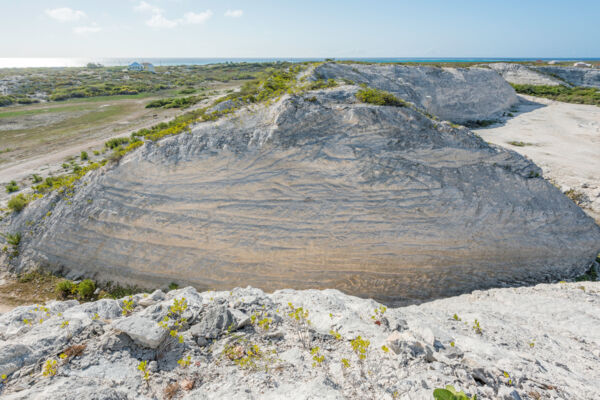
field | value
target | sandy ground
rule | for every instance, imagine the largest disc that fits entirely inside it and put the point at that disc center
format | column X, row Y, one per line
column 563, row 139
column 5, row 308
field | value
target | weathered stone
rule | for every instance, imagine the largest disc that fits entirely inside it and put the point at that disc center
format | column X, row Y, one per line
column 142, row 331
column 12, row 357
column 215, row 321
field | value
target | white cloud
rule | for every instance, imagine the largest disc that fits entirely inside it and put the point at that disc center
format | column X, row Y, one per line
column 234, row 13
column 145, row 7
column 158, row 19
column 82, row 30
column 196, row 18
column 65, row 14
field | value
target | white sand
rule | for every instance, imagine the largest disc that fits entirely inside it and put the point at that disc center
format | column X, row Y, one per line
column 565, row 143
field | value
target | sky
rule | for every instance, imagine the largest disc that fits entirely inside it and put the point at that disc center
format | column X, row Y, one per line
column 306, row 28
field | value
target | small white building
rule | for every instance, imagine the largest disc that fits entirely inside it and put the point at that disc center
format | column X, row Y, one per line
column 582, row 64
column 136, row 66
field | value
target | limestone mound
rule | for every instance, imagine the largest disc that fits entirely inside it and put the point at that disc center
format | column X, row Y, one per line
column 315, row 191
column 453, row 94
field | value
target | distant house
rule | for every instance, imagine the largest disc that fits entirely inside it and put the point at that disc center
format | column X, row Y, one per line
column 582, row 64
column 136, row 66
column 552, row 62
column 148, row 67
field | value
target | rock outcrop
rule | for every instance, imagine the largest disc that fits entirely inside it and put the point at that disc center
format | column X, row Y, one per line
column 547, row 75
column 317, row 191
column 453, row 94
column 524, row 75
column 537, row 342
column 575, row 76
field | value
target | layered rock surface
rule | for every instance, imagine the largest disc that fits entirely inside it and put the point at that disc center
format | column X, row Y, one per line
column 317, row 191
column 454, row 94
column 524, row 75
column 547, row 75
column 540, row 342
column 575, row 76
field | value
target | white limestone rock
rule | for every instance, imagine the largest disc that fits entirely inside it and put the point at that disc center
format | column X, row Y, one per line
column 145, row 332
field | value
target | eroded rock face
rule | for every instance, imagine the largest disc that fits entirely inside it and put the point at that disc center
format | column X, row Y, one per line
column 544, row 337
column 547, row 75
column 524, row 75
column 575, row 76
column 453, row 94
column 312, row 193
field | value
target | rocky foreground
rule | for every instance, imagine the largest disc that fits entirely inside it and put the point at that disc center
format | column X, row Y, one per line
column 539, row 342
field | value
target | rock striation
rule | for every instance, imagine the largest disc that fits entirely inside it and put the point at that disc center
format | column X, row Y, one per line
column 589, row 77
column 453, row 94
column 547, row 75
column 319, row 191
column 512, row 343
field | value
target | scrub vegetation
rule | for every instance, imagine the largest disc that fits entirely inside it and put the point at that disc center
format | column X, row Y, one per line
column 577, row 95
column 29, row 85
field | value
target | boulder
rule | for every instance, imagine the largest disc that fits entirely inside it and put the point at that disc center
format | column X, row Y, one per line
column 217, row 320
column 143, row 331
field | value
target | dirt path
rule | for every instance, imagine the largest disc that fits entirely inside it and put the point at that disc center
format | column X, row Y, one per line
column 563, row 139
column 5, row 308
column 50, row 161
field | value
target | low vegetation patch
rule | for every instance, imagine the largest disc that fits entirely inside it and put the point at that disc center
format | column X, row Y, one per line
column 379, row 98
column 577, row 95
column 19, row 202
column 480, row 123
column 12, row 187
column 449, row 393
column 575, row 195
column 176, row 102
column 519, row 144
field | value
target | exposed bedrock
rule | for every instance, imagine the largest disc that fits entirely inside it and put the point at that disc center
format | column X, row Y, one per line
column 547, row 75
column 453, row 94
column 524, row 75
column 313, row 193
column 575, row 76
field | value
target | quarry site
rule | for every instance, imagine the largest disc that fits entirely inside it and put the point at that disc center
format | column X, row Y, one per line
column 307, row 230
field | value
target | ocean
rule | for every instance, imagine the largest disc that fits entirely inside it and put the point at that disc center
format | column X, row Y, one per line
column 30, row 62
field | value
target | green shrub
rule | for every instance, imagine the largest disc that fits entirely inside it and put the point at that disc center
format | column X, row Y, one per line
column 116, row 142
column 449, row 393
column 86, row 289
column 36, row 178
column 12, row 238
column 379, row 97
column 12, row 187
column 84, row 156
column 322, row 84
column 18, row 202
column 6, row 101
column 64, row 288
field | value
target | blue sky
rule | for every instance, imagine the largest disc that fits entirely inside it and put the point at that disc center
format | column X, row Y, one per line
column 307, row 28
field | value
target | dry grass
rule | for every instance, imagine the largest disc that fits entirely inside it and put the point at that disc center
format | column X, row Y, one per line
column 29, row 288
column 171, row 390
column 75, row 350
